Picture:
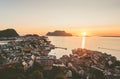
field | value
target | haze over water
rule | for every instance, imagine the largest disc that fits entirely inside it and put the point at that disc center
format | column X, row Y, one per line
column 92, row 43
column 96, row 17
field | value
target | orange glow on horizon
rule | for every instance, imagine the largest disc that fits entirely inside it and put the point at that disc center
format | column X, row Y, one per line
column 84, row 33
column 106, row 31
column 76, row 33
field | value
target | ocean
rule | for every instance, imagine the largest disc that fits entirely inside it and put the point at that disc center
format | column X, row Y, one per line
column 109, row 45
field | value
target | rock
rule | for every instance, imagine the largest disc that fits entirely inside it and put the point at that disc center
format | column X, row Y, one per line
column 8, row 33
column 58, row 33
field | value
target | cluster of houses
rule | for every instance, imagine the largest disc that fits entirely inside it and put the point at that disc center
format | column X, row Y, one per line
column 90, row 64
column 26, row 50
column 81, row 64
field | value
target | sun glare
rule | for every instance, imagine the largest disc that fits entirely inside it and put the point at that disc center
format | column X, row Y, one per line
column 83, row 33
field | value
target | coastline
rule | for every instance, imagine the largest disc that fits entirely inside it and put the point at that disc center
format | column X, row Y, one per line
column 80, row 59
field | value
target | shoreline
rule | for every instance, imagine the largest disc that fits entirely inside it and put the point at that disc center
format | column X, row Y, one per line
column 32, row 52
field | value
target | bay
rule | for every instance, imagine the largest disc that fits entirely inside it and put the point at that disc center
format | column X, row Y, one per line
column 109, row 45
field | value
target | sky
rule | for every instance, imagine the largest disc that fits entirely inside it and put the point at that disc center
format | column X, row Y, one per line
column 96, row 17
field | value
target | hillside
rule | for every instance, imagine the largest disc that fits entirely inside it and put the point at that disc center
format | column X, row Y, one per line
column 58, row 33
column 8, row 33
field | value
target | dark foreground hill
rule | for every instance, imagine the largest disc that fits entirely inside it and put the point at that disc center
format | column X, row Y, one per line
column 8, row 33
column 58, row 33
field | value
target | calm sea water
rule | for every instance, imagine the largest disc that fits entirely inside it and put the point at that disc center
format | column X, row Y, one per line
column 92, row 43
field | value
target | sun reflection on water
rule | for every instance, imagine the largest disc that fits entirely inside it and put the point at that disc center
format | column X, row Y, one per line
column 83, row 40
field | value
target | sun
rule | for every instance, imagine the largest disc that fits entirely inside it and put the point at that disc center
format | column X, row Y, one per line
column 84, row 33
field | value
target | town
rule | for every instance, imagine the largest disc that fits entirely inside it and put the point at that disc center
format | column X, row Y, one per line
column 28, row 57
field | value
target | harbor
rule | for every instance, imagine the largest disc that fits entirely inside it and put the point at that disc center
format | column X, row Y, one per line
column 59, row 39
column 28, row 57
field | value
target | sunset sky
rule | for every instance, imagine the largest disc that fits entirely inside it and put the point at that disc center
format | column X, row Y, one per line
column 96, row 17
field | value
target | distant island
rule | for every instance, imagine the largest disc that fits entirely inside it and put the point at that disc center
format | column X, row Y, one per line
column 8, row 33
column 58, row 33
column 110, row 36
